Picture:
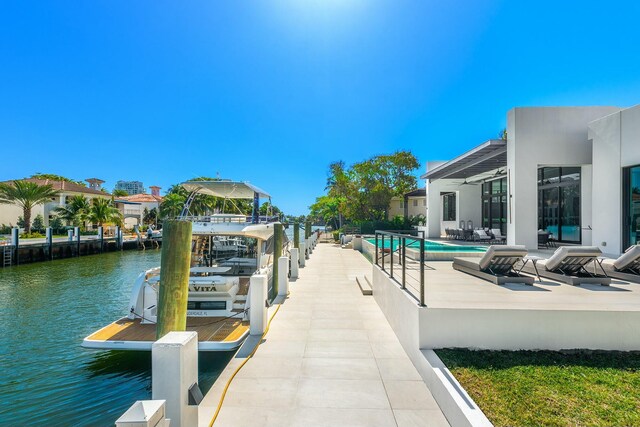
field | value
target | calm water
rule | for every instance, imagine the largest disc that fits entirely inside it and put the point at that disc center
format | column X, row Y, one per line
column 46, row 309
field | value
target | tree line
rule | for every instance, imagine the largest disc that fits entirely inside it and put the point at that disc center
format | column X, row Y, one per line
column 363, row 191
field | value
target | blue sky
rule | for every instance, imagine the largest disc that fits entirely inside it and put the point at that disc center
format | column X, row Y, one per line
column 273, row 91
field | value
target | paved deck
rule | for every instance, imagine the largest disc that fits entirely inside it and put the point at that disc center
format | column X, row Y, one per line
column 330, row 359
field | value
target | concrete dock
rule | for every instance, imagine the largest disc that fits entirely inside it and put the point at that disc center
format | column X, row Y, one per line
column 330, row 358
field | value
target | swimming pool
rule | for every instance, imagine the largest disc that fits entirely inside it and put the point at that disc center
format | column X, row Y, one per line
column 431, row 246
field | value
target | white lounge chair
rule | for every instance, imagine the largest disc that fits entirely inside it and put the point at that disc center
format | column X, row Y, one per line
column 568, row 265
column 626, row 267
column 496, row 265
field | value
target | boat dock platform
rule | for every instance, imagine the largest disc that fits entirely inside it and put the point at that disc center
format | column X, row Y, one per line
column 329, row 358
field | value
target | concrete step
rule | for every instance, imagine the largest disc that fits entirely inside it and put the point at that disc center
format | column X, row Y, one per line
column 365, row 285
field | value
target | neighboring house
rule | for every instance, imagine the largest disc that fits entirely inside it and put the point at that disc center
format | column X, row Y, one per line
column 412, row 204
column 132, row 207
column 9, row 213
column 573, row 171
column 131, row 187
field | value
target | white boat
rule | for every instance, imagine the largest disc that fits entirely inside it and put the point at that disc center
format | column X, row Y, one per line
column 227, row 249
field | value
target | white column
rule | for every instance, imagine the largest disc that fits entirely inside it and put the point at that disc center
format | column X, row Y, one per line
column 303, row 256
column 144, row 413
column 174, row 364
column 295, row 259
column 307, row 245
column 283, row 276
column 310, row 245
column 257, row 304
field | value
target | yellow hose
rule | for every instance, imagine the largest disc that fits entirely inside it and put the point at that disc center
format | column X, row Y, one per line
column 226, row 387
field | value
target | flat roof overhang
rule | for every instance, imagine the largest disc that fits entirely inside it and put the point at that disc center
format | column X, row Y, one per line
column 481, row 159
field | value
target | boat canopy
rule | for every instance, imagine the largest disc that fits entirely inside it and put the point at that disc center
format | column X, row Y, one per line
column 225, row 189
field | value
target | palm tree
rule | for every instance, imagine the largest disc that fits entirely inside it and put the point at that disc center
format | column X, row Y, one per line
column 27, row 195
column 172, row 205
column 75, row 211
column 103, row 211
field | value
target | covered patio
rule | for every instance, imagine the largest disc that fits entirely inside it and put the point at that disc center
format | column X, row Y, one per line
column 469, row 193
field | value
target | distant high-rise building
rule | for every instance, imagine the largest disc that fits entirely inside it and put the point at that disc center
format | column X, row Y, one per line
column 131, row 187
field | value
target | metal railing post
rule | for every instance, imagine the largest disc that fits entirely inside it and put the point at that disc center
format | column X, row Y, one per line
column 403, row 250
column 377, row 249
column 422, row 272
column 382, row 252
column 391, row 253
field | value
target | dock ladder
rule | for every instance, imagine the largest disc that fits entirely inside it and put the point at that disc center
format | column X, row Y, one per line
column 7, row 250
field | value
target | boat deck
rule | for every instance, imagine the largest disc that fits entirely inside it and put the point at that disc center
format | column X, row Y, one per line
column 214, row 333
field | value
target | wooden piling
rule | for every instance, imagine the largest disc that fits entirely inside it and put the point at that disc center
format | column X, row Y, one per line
column 296, row 235
column 175, row 263
column 277, row 253
column 307, row 229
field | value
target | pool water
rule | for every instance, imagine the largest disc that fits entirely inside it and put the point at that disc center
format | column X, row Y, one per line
column 431, row 246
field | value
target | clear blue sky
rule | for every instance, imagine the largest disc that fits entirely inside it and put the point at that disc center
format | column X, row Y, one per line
column 273, row 91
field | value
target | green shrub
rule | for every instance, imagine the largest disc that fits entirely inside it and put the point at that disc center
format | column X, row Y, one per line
column 32, row 235
column 336, row 235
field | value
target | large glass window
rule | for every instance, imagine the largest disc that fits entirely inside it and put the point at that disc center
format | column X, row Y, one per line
column 449, row 207
column 631, row 208
column 494, row 205
column 559, row 203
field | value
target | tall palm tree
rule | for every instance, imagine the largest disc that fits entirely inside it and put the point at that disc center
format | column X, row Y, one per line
column 27, row 195
column 103, row 211
column 75, row 211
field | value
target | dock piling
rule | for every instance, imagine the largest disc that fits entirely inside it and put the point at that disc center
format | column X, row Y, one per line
column 15, row 242
column 303, row 255
column 283, row 278
column 257, row 304
column 278, row 232
column 49, row 242
column 296, row 235
column 174, row 374
column 175, row 263
column 295, row 262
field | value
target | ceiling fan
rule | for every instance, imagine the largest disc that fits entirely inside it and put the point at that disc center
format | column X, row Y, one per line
column 465, row 182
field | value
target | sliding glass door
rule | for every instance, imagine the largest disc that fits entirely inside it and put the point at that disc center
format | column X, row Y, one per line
column 494, row 205
column 559, row 203
column 631, row 206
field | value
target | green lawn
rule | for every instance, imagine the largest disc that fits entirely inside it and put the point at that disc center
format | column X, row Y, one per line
column 535, row 388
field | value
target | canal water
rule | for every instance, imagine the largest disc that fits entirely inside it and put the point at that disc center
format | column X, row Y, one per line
column 46, row 309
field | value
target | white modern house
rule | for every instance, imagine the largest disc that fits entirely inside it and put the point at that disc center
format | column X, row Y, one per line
column 572, row 171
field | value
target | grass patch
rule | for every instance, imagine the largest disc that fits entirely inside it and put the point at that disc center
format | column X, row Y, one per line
column 534, row 388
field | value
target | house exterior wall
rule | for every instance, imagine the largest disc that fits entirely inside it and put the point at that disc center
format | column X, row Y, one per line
column 616, row 145
column 396, row 208
column 545, row 136
column 468, row 205
column 9, row 213
column 416, row 206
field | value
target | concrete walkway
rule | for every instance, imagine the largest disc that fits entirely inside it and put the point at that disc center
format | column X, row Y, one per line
column 330, row 359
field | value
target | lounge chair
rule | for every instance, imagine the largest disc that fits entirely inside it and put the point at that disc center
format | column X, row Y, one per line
column 497, row 235
column 568, row 265
column 496, row 265
column 626, row 267
column 481, row 235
